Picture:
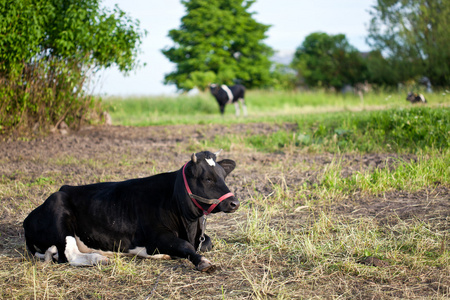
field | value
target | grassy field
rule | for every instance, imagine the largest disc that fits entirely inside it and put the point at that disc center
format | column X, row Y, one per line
column 263, row 107
column 339, row 199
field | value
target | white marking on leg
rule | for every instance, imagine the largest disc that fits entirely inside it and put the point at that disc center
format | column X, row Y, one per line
column 76, row 258
column 139, row 251
column 85, row 249
column 244, row 107
column 39, row 255
column 142, row 252
column 50, row 253
column 210, row 162
column 229, row 93
column 236, row 107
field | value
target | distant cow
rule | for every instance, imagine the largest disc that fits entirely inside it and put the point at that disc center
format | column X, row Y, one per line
column 415, row 98
column 152, row 217
column 229, row 94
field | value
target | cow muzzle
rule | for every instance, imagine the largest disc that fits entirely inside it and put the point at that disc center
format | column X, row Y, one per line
column 229, row 205
column 225, row 203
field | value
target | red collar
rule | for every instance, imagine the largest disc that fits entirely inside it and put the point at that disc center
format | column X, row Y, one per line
column 208, row 201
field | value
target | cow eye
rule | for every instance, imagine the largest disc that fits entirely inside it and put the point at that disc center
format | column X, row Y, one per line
column 209, row 179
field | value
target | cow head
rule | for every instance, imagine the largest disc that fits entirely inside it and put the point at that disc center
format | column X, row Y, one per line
column 213, row 87
column 411, row 97
column 206, row 179
column 216, row 91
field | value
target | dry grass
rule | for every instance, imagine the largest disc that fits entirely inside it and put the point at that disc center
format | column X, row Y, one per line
column 293, row 237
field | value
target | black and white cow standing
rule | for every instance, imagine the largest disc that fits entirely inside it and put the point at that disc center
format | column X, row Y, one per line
column 153, row 217
column 229, row 94
column 415, row 98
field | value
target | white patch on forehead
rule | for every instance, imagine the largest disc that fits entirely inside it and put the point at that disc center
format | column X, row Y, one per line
column 210, row 162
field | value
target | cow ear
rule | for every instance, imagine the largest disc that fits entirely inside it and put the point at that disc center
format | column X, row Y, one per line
column 194, row 158
column 228, row 165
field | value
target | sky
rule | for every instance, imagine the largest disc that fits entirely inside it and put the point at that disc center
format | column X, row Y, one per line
column 291, row 21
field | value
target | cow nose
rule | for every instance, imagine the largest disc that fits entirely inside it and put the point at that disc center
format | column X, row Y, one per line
column 234, row 204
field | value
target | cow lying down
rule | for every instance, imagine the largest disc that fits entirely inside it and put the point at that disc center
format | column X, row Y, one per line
column 416, row 98
column 153, row 217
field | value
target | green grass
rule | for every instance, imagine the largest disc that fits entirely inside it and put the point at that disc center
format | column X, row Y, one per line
column 393, row 130
column 263, row 106
column 428, row 171
column 408, row 130
column 326, row 122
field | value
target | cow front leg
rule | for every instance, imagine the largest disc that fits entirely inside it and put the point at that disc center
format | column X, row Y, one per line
column 236, row 107
column 244, row 107
column 174, row 246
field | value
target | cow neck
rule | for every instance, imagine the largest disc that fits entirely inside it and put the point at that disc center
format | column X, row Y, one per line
column 194, row 197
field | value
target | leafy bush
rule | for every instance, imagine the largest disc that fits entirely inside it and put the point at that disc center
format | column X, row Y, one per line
column 44, row 95
column 48, row 50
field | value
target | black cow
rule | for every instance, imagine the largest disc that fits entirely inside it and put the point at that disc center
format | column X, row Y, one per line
column 156, row 217
column 229, row 94
column 415, row 98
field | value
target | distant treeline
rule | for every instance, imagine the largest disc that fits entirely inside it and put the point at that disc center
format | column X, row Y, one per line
column 221, row 42
column 49, row 51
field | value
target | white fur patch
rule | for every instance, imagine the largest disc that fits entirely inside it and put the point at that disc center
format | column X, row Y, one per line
column 236, row 108
column 142, row 252
column 229, row 93
column 51, row 252
column 76, row 258
column 210, row 162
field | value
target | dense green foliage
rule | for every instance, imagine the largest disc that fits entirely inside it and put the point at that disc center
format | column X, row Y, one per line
column 218, row 41
column 49, row 49
column 328, row 61
column 414, row 34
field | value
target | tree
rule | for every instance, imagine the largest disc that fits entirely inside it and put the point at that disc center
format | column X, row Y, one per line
column 328, row 61
column 49, row 48
column 67, row 30
column 218, row 41
column 382, row 71
column 414, row 35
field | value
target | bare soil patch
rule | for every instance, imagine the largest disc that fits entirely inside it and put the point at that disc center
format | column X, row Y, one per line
column 32, row 170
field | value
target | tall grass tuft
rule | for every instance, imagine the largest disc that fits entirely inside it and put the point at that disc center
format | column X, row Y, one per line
column 429, row 170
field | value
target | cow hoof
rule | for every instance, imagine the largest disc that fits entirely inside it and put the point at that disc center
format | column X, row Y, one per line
column 209, row 269
column 206, row 266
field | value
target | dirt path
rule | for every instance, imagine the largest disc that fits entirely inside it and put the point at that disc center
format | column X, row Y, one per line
column 164, row 148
